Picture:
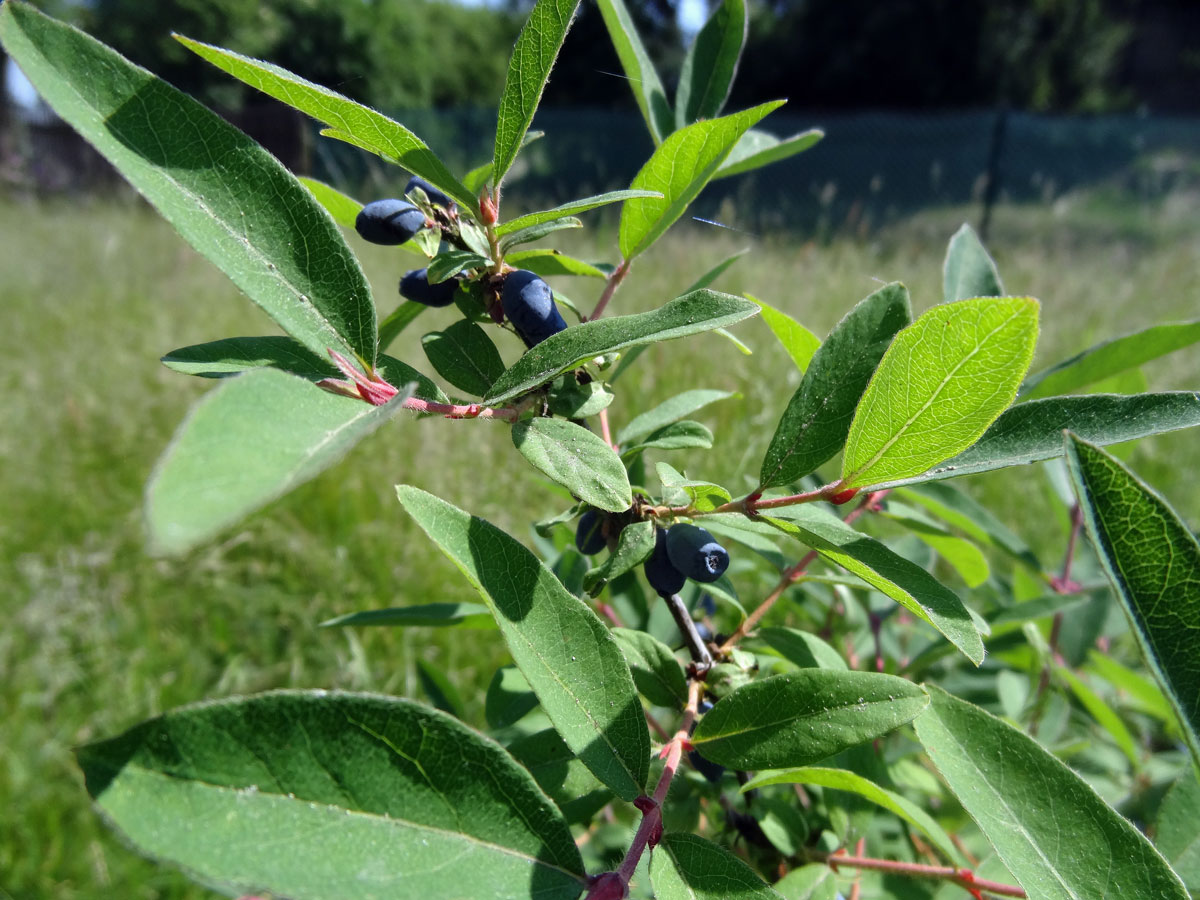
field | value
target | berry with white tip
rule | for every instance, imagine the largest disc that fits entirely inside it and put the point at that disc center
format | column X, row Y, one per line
column 695, row 553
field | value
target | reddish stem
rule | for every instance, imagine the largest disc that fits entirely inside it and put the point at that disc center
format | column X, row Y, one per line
column 1062, row 583
column 605, row 431
column 462, row 411
column 610, row 288
column 965, row 878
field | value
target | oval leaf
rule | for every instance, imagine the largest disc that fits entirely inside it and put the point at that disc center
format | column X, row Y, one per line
column 577, row 459
column 318, row 795
column 532, row 59
column 634, row 547
column 679, row 170
column 942, row 382
column 245, row 443
column 465, row 356
column 1153, row 561
column 804, row 717
column 968, row 270
column 227, row 196
column 711, row 64
column 692, row 313
column 656, row 671
column 687, row 867
column 814, row 426
column 667, row 412
column 1057, row 837
column 546, row 262
column 758, row 148
column 565, row 652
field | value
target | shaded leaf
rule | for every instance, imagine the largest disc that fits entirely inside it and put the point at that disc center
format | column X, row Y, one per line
column 317, row 795
column 528, row 70
column 634, row 547
column 817, row 419
column 569, row 209
column 803, row 717
column 465, row 356
column 690, row 314
column 801, row 648
column 1177, row 831
column 343, row 209
column 537, row 232
column 245, row 443
column 679, row 170
column 656, row 672
column 687, row 867
column 711, row 63
column 508, row 698
column 798, row 341
column 449, row 263
column 565, row 652
column 347, row 120
column 683, row 435
column 968, row 270
column 439, row 689
column 437, row 615
column 758, row 148
column 942, row 382
column 578, row 401
column 815, row 881
column 568, row 782
column 1057, row 837
column 577, row 459
column 1153, row 561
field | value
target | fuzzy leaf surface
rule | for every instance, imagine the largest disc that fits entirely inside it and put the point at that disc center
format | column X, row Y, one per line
column 942, row 382
column 570, row 209
column 245, row 443
column 634, row 547
column 347, row 120
column 1032, row 431
column 803, row 717
column 465, row 356
column 904, row 581
column 227, row 196
column 342, row 208
column 969, row 271
column 1110, row 358
column 568, row 782
column 577, row 459
column 1177, row 830
column 687, row 867
column 315, row 795
column 1153, row 561
column 528, row 70
column 1056, row 836
column 639, row 69
column 711, row 64
column 679, row 170
column 756, row 149
column 565, row 652
column 817, row 419
column 692, row 313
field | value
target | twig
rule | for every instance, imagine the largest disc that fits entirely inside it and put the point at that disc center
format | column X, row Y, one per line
column 1062, row 583
column 605, row 431
column 610, row 288
column 683, row 621
column 462, row 411
column 964, row 878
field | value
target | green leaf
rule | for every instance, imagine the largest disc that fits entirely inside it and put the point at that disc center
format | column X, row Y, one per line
column 969, row 271
column 803, row 717
column 1177, row 831
column 942, row 382
column 399, row 319
column 1140, row 691
column 568, row 782
column 702, row 496
column 449, row 263
column 812, row 882
column 227, row 196
column 465, row 356
column 569, row 209
column 1055, row 835
column 683, row 435
column 1111, row 357
column 528, row 70
column 552, row 262
column 639, row 70
column 1032, row 431
column 436, row 615
column 508, row 698
column 963, row 556
column 692, row 313
column 249, row 441
column 801, row 648
column 904, row 581
column 439, row 689
column 537, row 232
column 711, row 64
column 687, row 867
column 958, row 510
column 656, row 671
column 716, row 271
column 679, row 170
column 317, row 795
column 814, row 426
column 683, row 404
column 800, row 343
column 634, row 547
column 1153, row 561
column 566, row 653
column 1102, row 713
column 843, row 780
column 577, row 459
column 578, row 401
column 343, row 209
column 478, row 177
column 758, row 148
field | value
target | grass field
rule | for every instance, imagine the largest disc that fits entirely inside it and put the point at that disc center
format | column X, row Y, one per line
column 98, row 636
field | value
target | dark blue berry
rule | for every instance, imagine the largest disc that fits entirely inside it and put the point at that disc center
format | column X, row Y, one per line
column 388, row 222
column 529, row 304
column 436, row 197
column 663, row 577
column 709, row 770
column 415, row 286
column 589, row 537
column 695, row 553
column 704, row 631
column 705, row 706
column 707, row 604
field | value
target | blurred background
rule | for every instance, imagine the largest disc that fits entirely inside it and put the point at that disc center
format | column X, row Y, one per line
column 1067, row 130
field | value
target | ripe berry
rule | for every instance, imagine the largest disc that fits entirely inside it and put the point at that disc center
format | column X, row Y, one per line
column 529, row 304
column 389, row 222
column 695, row 553
column 663, row 577
column 436, row 197
column 709, row 770
column 589, row 537
column 415, row 286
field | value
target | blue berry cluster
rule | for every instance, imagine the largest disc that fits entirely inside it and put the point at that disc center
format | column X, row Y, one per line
column 681, row 552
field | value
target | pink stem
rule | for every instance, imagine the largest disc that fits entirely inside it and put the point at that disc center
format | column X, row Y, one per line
column 610, row 288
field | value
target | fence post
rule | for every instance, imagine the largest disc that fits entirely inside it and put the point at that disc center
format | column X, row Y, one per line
column 991, row 188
